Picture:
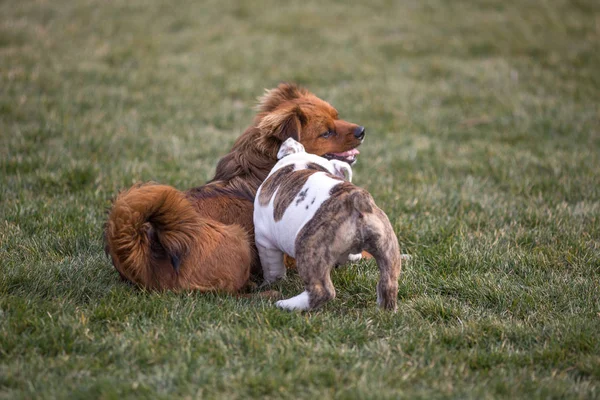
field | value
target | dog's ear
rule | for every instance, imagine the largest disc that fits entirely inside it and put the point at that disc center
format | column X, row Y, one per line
column 284, row 123
column 342, row 169
column 290, row 146
column 273, row 98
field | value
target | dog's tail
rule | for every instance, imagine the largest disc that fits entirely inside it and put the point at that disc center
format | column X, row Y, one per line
column 150, row 228
column 157, row 239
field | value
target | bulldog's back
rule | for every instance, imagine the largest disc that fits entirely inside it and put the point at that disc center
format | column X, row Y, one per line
column 289, row 198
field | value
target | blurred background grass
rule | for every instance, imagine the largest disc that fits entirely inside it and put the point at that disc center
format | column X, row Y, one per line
column 482, row 145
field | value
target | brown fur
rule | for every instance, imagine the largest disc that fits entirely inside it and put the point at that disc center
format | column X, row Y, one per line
column 161, row 238
column 150, row 225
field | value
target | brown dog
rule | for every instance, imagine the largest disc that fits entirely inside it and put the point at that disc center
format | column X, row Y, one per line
column 203, row 239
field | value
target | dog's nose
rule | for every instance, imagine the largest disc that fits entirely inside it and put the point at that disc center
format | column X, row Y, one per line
column 359, row 132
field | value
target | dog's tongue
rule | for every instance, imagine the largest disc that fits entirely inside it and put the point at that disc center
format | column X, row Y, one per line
column 348, row 153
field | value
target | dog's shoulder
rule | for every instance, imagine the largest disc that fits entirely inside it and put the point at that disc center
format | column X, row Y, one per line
column 287, row 179
column 297, row 178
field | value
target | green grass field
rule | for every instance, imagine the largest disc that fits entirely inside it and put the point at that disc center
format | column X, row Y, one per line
column 483, row 146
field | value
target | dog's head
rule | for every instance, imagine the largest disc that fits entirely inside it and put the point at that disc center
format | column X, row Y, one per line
column 289, row 111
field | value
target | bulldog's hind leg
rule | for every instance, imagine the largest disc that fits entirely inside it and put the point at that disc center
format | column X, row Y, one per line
column 315, row 272
column 383, row 245
column 272, row 263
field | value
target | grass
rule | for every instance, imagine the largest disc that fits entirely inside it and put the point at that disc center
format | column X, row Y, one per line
column 483, row 146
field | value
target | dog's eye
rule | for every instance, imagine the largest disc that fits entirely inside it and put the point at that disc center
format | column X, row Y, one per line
column 327, row 134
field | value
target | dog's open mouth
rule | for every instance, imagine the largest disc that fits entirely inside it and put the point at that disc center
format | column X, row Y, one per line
column 347, row 156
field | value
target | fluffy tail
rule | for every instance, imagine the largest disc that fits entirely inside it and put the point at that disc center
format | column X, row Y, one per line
column 158, row 240
column 150, row 229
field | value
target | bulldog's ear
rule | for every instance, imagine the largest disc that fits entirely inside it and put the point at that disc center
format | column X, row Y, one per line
column 284, row 123
column 342, row 169
column 290, row 146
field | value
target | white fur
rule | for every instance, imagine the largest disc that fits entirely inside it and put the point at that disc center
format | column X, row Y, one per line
column 342, row 169
column 281, row 235
column 290, row 146
column 353, row 258
column 272, row 263
column 299, row 302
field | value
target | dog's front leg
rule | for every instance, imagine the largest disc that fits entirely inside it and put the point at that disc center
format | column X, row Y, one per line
column 272, row 264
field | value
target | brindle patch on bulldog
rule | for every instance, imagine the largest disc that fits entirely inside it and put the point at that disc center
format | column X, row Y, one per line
column 290, row 188
column 290, row 184
column 334, row 211
column 272, row 183
column 355, row 198
column 288, row 191
column 316, row 167
column 302, row 196
column 352, row 211
column 386, row 250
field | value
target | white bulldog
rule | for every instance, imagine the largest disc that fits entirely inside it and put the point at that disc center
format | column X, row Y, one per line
column 307, row 209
